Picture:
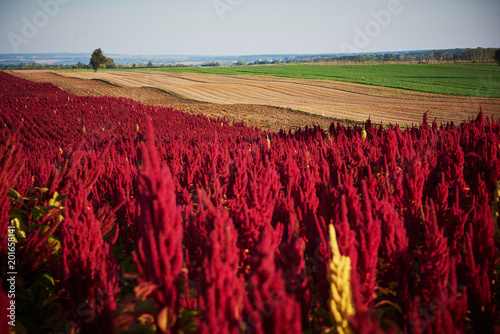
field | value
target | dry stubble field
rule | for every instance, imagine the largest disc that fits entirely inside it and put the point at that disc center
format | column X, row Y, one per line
column 271, row 102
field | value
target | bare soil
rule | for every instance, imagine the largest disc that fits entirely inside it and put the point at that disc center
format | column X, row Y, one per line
column 266, row 117
column 269, row 102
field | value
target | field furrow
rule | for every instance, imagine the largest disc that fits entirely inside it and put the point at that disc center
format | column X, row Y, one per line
column 321, row 97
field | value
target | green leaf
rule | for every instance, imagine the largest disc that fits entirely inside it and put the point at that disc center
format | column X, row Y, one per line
column 61, row 197
column 145, row 306
column 13, row 193
column 189, row 314
column 50, row 279
column 33, row 198
column 41, row 190
column 56, row 244
column 17, row 213
column 20, row 201
column 38, row 212
column 188, row 319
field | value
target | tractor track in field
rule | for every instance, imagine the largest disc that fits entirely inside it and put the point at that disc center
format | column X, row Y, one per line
column 271, row 102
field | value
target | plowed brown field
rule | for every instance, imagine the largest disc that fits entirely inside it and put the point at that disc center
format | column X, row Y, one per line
column 252, row 98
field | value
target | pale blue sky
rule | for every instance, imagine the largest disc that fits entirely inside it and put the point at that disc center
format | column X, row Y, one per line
column 243, row 27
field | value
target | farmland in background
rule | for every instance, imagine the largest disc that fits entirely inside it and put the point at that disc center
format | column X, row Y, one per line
column 341, row 100
column 453, row 79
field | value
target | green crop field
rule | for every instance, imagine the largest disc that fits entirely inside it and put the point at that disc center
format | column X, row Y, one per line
column 452, row 79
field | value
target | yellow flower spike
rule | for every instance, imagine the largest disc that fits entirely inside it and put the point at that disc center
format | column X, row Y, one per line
column 339, row 275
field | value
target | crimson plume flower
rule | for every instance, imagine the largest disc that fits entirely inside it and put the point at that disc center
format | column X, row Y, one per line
column 221, row 290
column 159, row 229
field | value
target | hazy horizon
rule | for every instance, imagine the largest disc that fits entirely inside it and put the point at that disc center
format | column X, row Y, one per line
column 240, row 27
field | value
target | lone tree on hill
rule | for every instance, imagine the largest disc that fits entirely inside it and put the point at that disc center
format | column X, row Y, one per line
column 97, row 59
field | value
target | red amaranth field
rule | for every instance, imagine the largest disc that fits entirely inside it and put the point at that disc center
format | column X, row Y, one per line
column 134, row 218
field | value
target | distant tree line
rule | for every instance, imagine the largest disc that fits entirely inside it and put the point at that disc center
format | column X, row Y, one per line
column 211, row 64
column 35, row 65
column 449, row 55
column 474, row 55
